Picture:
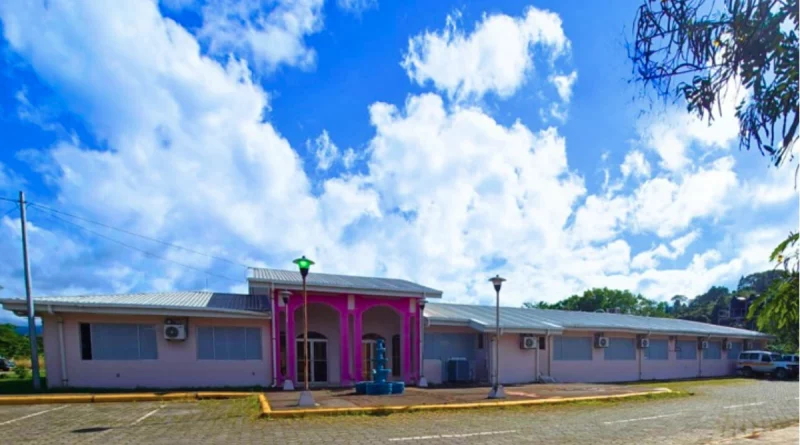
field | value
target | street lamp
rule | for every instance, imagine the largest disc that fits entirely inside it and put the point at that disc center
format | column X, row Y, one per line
column 497, row 389
column 288, row 383
column 306, row 399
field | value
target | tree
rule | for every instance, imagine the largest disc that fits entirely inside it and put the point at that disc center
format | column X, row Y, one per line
column 776, row 310
column 607, row 300
column 701, row 49
column 678, row 303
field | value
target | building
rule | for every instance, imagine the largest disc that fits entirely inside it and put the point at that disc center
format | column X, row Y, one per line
column 207, row 339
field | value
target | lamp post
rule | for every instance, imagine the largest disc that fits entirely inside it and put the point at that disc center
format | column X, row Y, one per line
column 306, row 399
column 288, row 383
column 497, row 389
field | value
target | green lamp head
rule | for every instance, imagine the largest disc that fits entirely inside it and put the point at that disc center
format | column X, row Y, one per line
column 304, row 264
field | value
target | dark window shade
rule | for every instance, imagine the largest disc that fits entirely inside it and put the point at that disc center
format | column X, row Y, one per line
column 480, row 341
column 542, row 342
column 395, row 355
column 86, row 341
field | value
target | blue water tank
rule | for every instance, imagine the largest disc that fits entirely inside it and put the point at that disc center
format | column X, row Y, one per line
column 457, row 370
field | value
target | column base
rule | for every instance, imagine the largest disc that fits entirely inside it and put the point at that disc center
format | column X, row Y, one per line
column 288, row 385
column 306, row 400
column 423, row 382
column 497, row 392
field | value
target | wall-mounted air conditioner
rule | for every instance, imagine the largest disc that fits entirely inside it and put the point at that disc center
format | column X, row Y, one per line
column 601, row 342
column 175, row 329
column 644, row 343
column 528, row 342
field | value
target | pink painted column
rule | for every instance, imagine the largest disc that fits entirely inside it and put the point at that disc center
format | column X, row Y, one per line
column 276, row 318
column 291, row 361
column 357, row 345
column 344, row 348
column 405, row 339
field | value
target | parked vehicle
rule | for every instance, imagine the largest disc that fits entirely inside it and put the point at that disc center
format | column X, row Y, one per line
column 764, row 362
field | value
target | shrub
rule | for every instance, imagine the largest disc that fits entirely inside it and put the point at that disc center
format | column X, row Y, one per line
column 21, row 372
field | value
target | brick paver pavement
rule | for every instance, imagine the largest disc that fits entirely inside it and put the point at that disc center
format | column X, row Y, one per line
column 716, row 412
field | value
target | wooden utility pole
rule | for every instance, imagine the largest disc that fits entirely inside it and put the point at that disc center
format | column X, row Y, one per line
column 31, row 317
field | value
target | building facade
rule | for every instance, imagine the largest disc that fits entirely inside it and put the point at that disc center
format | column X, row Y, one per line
column 207, row 339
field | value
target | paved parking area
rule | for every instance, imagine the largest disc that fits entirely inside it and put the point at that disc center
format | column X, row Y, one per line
column 715, row 413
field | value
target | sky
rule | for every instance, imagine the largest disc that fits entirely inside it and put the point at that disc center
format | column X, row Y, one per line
column 440, row 142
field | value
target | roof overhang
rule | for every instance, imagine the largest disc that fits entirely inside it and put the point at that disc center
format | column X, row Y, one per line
column 484, row 328
column 283, row 285
column 670, row 332
column 44, row 307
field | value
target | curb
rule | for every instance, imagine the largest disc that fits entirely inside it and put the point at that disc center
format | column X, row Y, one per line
column 109, row 398
column 267, row 412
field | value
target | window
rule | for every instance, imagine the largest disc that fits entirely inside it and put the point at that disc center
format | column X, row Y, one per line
column 480, row 341
column 713, row 352
column 107, row 341
column 687, row 349
column 572, row 348
column 228, row 343
column 542, row 343
column 396, row 356
column 733, row 352
column 620, row 349
column 658, row 350
column 765, row 358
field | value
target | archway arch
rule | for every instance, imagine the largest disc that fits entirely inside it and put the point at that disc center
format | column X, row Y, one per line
column 323, row 345
column 383, row 322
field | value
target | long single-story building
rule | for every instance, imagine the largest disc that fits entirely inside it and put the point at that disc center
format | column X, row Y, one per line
column 208, row 339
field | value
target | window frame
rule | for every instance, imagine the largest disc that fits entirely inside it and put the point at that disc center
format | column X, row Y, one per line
column 88, row 345
column 214, row 345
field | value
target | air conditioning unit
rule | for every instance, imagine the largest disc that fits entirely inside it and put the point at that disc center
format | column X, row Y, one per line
column 529, row 342
column 601, row 342
column 703, row 344
column 644, row 343
column 728, row 345
column 175, row 330
column 748, row 345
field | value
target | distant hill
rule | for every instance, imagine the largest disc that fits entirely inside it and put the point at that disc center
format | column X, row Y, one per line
column 23, row 330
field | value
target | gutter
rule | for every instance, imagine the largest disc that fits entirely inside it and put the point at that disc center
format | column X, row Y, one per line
column 274, row 341
column 351, row 290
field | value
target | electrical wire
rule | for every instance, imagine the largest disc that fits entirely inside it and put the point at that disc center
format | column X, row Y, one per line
column 9, row 211
column 142, row 251
column 186, row 249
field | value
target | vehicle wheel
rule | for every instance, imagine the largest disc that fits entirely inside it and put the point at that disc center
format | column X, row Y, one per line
column 781, row 374
column 747, row 372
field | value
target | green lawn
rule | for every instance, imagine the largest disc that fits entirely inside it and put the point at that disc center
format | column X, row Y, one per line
column 688, row 385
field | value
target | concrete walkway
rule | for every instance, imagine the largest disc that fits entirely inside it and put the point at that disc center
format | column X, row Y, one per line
column 789, row 435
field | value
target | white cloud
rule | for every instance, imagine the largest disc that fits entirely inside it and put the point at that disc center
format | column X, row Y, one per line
column 496, row 57
column 635, row 164
column 600, row 218
column 269, row 33
column 324, row 149
column 649, row 259
column 664, row 206
column 357, row 6
column 563, row 84
column 349, row 158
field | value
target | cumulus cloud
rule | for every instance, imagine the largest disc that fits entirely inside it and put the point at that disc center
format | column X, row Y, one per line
column 357, row 6
column 635, row 164
column 268, row 33
column 649, row 259
column 563, row 84
column 496, row 57
column 324, row 149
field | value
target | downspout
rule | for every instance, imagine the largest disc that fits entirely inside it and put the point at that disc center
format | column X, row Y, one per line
column 422, row 381
column 549, row 349
column 274, row 341
column 61, row 350
column 537, row 360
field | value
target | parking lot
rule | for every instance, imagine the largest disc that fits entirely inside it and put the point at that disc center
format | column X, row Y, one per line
column 716, row 412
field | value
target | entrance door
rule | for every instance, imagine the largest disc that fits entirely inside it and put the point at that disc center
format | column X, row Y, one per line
column 317, row 359
column 369, row 343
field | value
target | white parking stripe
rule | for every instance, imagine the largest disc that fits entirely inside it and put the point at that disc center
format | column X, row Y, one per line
column 451, row 436
column 612, row 422
column 146, row 415
column 743, row 405
column 33, row 415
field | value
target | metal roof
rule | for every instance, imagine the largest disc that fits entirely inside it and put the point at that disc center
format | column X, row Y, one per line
column 512, row 318
column 188, row 300
column 344, row 282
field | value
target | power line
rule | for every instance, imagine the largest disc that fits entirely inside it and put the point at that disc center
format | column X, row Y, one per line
column 10, row 210
column 186, row 249
column 8, row 199
column 144, row 252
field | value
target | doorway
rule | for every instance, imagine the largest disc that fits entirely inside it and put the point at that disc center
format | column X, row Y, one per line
column 317, row 358
column 369, row 343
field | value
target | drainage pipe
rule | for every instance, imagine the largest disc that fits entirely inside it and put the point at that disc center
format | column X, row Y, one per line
column 61, row 353
column 273, row 306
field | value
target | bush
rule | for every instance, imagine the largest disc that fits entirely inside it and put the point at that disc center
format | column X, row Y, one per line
column 21, row 372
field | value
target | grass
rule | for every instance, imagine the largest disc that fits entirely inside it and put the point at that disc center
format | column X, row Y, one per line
column 247, row 407
column 11, row 384
column 686, row 385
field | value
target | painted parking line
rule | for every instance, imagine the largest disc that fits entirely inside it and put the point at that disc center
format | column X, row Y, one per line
column 38, row 413
column 147, row 415
column 613, row 422
column 744, row 405
column 451, row 436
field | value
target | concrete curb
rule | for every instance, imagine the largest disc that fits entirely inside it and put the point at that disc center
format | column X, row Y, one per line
column 108, row 398
column 267, row 412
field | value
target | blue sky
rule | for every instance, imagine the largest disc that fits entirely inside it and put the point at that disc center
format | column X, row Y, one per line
column 440, row 142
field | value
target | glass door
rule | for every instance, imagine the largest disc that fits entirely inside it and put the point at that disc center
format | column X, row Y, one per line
column 317, row 361
column 368, row 359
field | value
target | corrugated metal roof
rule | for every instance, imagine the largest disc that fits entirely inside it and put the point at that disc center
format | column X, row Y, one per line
column 314, row 279
column 536, row 319
column 195, row 300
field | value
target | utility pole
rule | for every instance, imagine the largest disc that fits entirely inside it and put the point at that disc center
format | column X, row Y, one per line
column 31, row 317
